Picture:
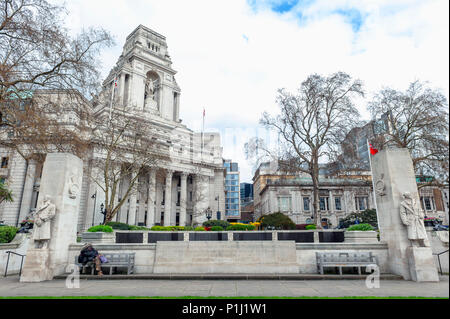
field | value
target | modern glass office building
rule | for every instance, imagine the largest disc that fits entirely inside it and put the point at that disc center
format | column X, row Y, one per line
column 232, row 191
column 246, row 192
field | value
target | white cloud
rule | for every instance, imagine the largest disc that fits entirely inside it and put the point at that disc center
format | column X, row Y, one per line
column 231, row 59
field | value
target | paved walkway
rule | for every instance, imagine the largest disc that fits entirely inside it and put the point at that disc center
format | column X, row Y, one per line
column 10, row 286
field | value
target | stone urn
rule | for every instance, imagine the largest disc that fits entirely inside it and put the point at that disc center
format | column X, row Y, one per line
column 358, row 236
column 98, row 237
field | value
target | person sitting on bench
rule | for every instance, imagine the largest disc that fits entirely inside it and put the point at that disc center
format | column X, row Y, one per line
column 89, row 254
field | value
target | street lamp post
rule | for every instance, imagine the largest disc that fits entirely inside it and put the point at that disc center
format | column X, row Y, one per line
column 208, row 213
column 218, row 209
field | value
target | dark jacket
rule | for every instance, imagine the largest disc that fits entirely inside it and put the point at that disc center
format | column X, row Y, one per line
column 87, row 255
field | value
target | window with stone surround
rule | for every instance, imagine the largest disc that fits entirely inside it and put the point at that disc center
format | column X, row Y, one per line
column 361, row 203
column 337, row 203
column 285, row 203
column 306, row 204
column 427, row 203
column 323, row 203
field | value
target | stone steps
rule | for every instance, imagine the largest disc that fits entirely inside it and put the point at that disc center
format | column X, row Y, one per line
column 231, row 277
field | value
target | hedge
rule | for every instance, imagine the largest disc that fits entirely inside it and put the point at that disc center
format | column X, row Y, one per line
column 309, row 227
column 7, row 234
column 100, row 228
column 212, row 223
column 216, row 228
column 120, row 226
column 241, row 227
column 360, row 227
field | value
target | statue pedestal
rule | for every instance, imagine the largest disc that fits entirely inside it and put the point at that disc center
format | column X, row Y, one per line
column 151, row 106
column 393, row 168
column 421, row 264
column 37, row 266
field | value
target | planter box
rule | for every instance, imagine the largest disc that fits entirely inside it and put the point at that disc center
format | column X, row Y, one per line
column 356, row 236
column 98, row 238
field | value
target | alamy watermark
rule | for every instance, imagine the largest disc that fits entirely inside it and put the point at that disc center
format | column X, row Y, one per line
column 73, row 280
column 373, row 280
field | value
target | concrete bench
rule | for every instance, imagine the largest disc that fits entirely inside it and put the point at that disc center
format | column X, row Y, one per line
column 344, row 259
column 122, row 260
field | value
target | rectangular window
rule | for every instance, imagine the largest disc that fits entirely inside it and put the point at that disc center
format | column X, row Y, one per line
column 323, row 203
column 306, row 204
column 4, row 162
column 427, row 203
column 361, row 203
column 337, row 203
column 284, row 204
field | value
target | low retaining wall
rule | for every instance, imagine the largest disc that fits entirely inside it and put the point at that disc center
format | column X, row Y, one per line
column 232, row 256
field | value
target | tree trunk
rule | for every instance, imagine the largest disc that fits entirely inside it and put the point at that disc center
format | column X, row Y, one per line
column 315, row 181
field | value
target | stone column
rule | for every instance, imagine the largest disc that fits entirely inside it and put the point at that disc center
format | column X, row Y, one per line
column 61, row 184
column 25, row 206
column 132, row 206
column 183, row 198
column 393, row 175
column 151, row 199
column 168, row 199
column 122, row 88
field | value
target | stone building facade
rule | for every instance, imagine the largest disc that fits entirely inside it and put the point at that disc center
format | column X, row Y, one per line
column 174, row 193
column 276, row 191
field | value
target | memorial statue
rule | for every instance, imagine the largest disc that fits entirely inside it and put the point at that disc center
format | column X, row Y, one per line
column 412, row 217
column 42, row 219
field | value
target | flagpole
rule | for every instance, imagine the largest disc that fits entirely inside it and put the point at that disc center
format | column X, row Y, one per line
column 203, row 130
column 373, row 185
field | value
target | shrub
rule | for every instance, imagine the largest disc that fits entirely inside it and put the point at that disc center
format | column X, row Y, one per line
column 216, row 228
column 167, row 228
column 133, row 227
column 188, row 228
column 309, row 227
column 199, row 228
column 100, row 228
column 301, row 226
column 117, row 225
column 360, row 227
column 7, row 233
column 241, row 227
column 215, row 222
column 278, row 221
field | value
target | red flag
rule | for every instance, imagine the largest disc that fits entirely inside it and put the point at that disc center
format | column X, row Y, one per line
column 373, row 151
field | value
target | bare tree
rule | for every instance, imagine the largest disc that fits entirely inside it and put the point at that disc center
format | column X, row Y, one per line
column 45, row 75
column 416, row 119
column 124, row 147
column 312, row 123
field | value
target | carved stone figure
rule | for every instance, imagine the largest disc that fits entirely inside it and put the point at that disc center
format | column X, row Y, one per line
column 412, row 217
column 42, row 219
column 149, row 89
column 73, row 187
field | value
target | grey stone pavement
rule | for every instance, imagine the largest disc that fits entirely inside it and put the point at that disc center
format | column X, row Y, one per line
column 10, row 286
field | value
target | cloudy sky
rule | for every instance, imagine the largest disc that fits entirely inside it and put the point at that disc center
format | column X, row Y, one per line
column 232, row 55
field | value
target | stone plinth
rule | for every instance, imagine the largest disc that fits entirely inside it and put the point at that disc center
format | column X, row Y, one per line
column 393, row 174
column 37, row 266
column 421, row 264
column 61, row 181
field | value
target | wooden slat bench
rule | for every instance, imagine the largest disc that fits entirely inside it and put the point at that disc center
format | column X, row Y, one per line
column 123, row 260
column 344, row 259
